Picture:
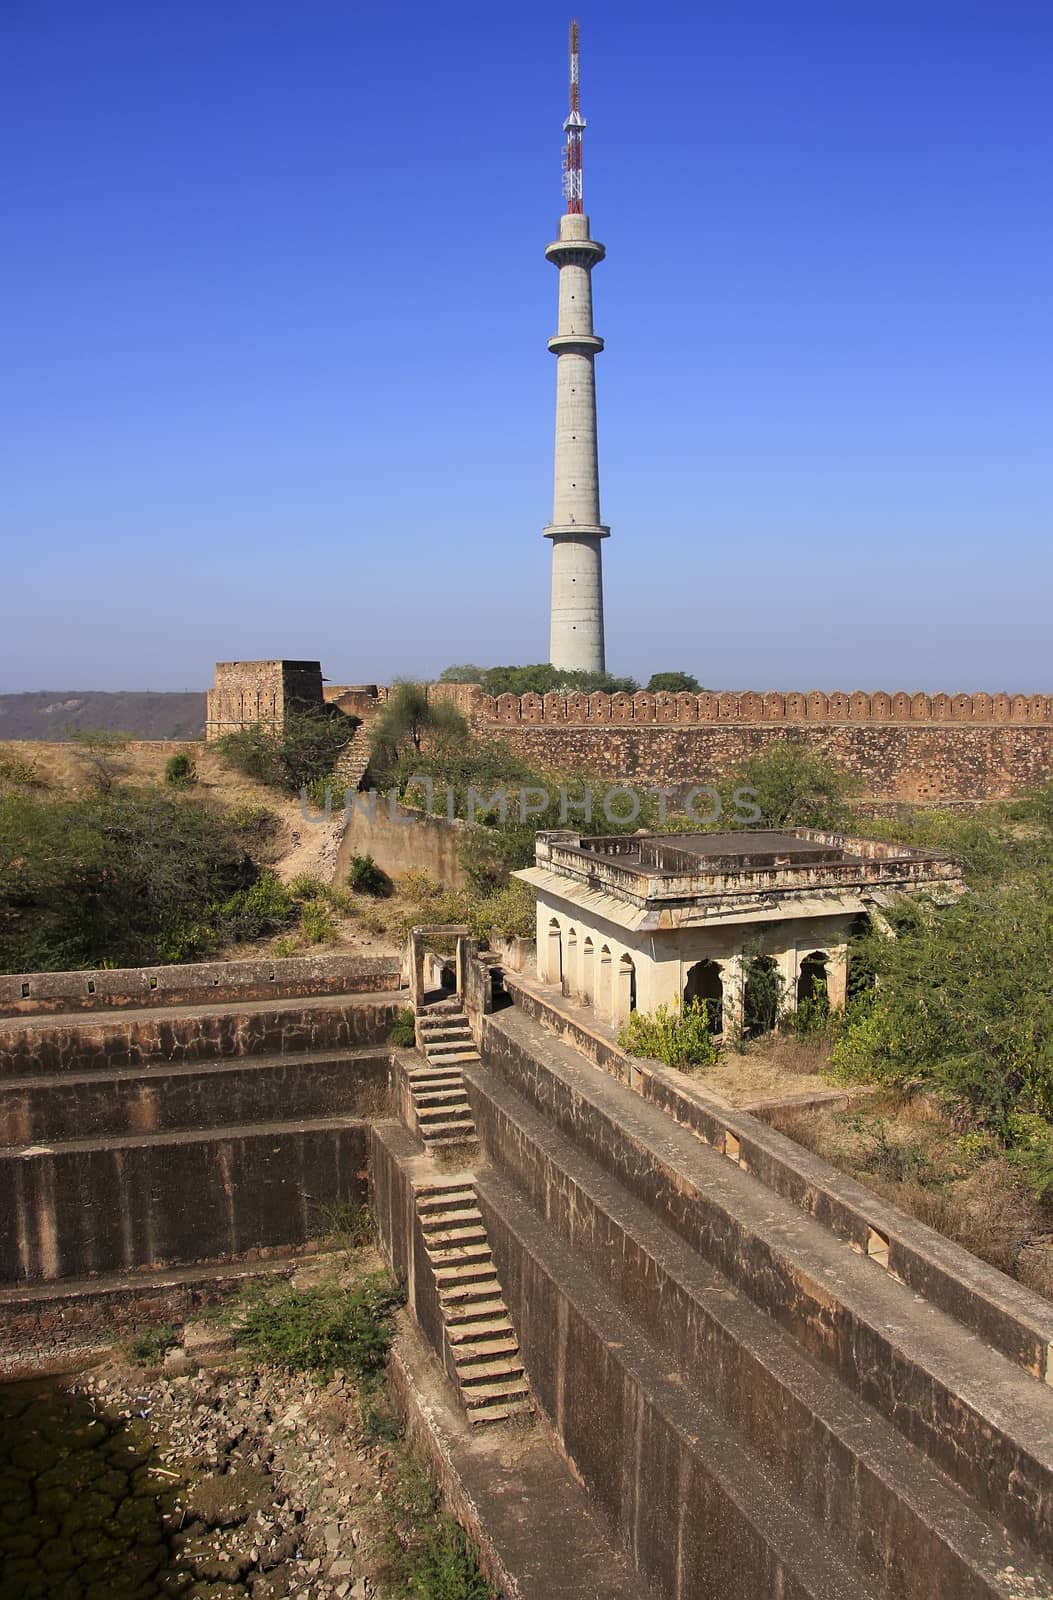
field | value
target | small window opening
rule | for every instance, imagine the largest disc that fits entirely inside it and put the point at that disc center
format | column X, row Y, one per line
column 877, row 1247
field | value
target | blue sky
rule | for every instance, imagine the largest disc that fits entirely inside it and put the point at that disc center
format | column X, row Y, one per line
column 273, row 377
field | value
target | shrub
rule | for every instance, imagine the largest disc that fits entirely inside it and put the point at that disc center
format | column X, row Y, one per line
column 316, row 922
column 676, row 1036
column 796, row 787
column 403, row 1032
column 263, row 907
column 317, row 1330
column 284, row 947
column 305, row 887
column 292, row 757
column 124, row 876
column 148, row 1347
column 674, row 683
column 365, row 877
column 16, row 769
column 180, row 770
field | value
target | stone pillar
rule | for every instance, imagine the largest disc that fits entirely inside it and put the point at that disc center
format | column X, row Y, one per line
column 837, row 976
column 733, row 979
column 576, row 640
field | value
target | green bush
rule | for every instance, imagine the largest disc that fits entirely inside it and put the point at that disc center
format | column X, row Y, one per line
column 365, row 877
column 674, row 683
column 796, row 787
column 679, row 1037
column 293, row 757
column 119, row 876
column 148, row 1347
column 316, row 922
column 317, row 1330
column 264, row 907
column 180, row 770
column 403, row 1031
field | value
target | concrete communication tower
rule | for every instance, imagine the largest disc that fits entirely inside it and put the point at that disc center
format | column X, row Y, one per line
column 576, row 640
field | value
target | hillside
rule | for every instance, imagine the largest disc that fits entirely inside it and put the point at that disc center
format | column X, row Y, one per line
column 51, row 714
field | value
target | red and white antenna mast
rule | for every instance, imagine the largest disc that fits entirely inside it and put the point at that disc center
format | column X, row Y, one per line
column 573, row 128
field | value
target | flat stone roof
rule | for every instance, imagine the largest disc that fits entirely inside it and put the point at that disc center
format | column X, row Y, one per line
column 653, row 880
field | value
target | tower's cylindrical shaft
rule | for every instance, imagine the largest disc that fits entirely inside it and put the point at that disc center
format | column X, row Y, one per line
column 575, row 530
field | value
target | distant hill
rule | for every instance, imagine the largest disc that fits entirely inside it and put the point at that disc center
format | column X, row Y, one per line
column 51, row 714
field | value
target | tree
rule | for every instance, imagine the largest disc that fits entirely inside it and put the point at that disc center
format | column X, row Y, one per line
column 543, row 678
column 463, row 674
column 408, row 718
column 796, row 787
column 673, row 683
column 305, row 748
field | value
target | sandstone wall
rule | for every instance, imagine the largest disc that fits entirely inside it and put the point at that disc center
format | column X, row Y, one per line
column 900, row 746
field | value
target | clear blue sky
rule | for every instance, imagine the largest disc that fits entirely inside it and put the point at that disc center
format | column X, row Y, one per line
column 274, row 378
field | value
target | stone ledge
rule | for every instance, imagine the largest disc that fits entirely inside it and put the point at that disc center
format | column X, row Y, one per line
column 1014, row 1320
column 294, row 977
column 535, row 1529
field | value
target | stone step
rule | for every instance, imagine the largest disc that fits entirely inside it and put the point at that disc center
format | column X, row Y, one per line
column 465, row 1253
column 438, row 1058
column 496, row 1389
column 501, row 1367
column 455, row 1028
column 504, row 1411
column 501, row 1345
column 434, row 1197
column 458, row 1144
column 448, row 1132
column 473, row 1301
column 449, row 1219
column 487, row 1320
column 462, row 1273
column 438, row 1097
column 450, row 1111
column 473, row 1233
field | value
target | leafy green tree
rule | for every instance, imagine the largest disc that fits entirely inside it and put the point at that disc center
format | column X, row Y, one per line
column 409, row 718
column 796, row 787
column 673, row 683
column 543, row 678
column 121, row 877
column 963, row 1005
column 462, row 674
column 302, row 751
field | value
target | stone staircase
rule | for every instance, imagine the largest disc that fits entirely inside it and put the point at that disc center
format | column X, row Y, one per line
column 353, row 760
column 480, row 1339
column 440, row 1099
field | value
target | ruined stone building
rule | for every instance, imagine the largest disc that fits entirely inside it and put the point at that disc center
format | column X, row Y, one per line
column 644, row 920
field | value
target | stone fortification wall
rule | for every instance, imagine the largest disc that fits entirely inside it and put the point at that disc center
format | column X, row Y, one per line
column 920, row 747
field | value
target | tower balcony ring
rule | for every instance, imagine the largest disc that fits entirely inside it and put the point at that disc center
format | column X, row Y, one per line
column 574, row 252
column 584, row 344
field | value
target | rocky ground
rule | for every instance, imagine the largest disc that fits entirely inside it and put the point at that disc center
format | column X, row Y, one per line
column 273, row 1488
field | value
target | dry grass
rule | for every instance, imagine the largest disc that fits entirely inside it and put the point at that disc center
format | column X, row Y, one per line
column 769, row 1069
column 959, row 1184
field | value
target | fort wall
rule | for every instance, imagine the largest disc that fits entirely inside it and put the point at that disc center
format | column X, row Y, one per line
column 911, row 748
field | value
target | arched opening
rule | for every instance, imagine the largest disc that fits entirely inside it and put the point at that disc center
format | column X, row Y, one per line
column 570, row 966
column 811, row 980
column 704, row 983
column 761, row 996
column 626, row 989
column 554, row 968
column 587, row 980
column 604, row 998
column 813, row 992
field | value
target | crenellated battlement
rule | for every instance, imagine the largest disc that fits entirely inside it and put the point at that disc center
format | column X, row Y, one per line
column 796, row 706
